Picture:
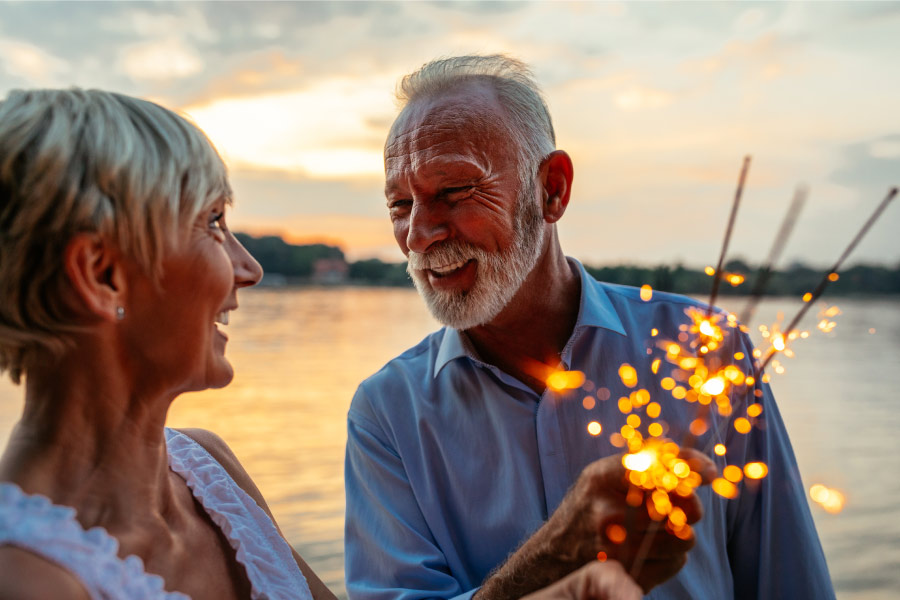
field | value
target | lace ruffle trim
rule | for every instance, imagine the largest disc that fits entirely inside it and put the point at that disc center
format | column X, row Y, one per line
column 258, row 546
column 32, row 522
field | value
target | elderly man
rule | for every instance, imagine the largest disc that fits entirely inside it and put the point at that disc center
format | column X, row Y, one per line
column 465, row 474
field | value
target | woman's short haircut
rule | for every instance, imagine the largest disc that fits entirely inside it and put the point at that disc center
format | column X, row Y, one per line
column 88, row 161
column 516, row 90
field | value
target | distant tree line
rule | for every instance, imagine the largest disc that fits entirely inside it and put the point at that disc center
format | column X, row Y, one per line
column 291, row 263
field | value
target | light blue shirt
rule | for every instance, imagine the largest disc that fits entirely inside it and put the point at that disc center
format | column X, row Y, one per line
column 451, row 464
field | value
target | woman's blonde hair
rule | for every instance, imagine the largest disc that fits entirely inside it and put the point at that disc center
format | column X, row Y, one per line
column 88, row 161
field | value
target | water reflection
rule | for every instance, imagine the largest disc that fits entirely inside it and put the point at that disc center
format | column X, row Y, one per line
column 300, row 353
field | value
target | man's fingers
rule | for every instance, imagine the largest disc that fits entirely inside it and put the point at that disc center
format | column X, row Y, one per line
column 700, row 463
column 654, row 572
column 691, row 505
column 609, row 581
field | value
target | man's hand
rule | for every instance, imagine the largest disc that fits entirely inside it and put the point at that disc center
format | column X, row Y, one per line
column 594, row 581
column 594, row 518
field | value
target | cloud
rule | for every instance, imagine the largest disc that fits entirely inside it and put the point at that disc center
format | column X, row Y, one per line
column 30, row 63
column 870, row 165
column 160, row 60
column 322, row 131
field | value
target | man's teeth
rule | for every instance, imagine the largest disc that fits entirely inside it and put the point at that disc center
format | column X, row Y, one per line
column 222, row 317
column 448, row 268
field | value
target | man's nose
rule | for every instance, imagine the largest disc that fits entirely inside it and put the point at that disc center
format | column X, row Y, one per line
column 427, row 226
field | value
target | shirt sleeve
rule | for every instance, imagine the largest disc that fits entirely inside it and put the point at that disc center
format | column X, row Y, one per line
column 390, row 553
column 773, row 546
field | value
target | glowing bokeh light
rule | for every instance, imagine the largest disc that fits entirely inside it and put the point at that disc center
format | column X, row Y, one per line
column 732, row 473
column 628, row 375
column 565, row 380
column 756, row 470
column 639, row 461
column 713, row 387
column 594, row 428
column 724, row 488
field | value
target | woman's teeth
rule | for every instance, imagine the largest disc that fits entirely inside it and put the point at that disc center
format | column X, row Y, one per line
column 222, row 317
column 448, row 268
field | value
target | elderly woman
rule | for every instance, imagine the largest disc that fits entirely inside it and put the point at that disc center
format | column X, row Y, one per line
column 117, row 270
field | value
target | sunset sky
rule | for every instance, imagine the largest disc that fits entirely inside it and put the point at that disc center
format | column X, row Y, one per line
column 656, row 103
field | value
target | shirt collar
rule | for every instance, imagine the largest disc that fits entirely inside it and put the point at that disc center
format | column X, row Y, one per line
column 595, row 310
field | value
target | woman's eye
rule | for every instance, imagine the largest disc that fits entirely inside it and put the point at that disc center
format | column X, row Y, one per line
column 215, row 221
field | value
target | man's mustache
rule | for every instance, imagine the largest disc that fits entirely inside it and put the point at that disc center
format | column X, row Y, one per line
column 445, row 254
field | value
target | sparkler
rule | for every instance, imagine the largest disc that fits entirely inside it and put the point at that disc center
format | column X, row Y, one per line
column 734, row 208
column 784, row 232
column 699, row 374
column 830, row 275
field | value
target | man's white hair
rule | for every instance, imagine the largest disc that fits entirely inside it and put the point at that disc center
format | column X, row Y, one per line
column 516, row 89
column 87, row 161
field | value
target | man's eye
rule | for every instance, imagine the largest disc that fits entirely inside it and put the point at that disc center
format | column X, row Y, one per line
column 456, row 191
column 398, row 204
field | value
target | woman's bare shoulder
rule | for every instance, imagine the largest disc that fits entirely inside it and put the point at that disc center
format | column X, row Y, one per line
column 27, row 576
column 220, row 451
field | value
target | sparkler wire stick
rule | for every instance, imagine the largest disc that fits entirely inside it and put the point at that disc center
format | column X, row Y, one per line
column 643, row 550
column 765, row 272
column 832, row 271
column 734, row 208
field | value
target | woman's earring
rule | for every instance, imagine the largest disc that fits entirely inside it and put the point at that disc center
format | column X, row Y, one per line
column 120, row 312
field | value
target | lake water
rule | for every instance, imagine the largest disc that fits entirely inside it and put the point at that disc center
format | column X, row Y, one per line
column 300, row 353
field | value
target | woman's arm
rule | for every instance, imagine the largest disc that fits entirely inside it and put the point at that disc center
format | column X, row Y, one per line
column 220, row 451
column 27, row 576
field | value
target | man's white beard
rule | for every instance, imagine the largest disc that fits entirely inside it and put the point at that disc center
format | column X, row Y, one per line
column 498, row 277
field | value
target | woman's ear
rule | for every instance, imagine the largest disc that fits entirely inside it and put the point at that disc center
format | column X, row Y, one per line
column 556, row 174
column 96, row 275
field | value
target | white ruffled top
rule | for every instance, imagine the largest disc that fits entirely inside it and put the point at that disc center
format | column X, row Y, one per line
column 33, row 523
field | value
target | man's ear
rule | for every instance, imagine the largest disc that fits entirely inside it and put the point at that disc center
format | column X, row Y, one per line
column 96, row 275
column 556, row 181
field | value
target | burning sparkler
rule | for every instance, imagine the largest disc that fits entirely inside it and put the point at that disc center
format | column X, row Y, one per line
column 700, row 373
